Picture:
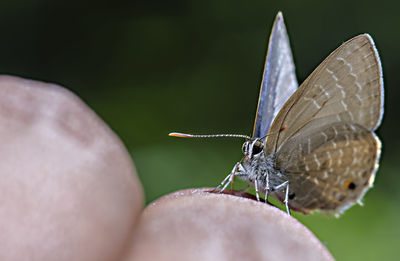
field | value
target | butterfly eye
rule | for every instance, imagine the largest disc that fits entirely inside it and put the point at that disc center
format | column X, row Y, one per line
column 244, row 147
column 257, row 147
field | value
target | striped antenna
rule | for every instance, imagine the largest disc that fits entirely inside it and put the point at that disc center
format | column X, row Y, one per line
column 184, row 135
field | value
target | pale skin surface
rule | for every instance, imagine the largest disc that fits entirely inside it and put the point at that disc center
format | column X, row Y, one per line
column 69, row 191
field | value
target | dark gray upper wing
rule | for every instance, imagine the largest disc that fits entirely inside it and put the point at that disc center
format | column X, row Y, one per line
column 279, row 79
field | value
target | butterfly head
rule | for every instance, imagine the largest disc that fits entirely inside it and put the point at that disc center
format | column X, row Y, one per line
column 253, row 147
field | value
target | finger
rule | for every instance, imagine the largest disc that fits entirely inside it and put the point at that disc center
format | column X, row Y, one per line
column 197, row 225
column 68, row 188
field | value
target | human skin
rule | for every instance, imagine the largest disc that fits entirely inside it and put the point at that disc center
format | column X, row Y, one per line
column 69, row 191
column 194, row 224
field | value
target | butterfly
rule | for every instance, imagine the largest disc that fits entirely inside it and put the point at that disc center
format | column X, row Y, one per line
column 313, row 146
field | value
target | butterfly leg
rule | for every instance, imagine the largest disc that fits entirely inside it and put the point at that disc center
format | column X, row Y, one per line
column 230, row 176
column 222, row 183
column 286, row 201
column 266, row 187
column 256, row 188
column 225, row 183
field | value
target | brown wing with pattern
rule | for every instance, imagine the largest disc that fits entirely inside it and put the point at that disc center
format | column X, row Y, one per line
column 331, row 169
column 323, row 136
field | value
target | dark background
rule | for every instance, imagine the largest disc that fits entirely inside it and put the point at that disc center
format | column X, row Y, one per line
column 152, row 67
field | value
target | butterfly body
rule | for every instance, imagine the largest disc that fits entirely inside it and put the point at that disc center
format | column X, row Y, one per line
column 260, row 168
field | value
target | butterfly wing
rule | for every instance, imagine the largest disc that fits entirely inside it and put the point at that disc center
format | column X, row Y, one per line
column 346, row 87
column 331, row 169
column 279, row 78
column 323, row 136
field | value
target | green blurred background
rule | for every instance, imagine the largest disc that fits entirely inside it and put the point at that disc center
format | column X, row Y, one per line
column 152, row 67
